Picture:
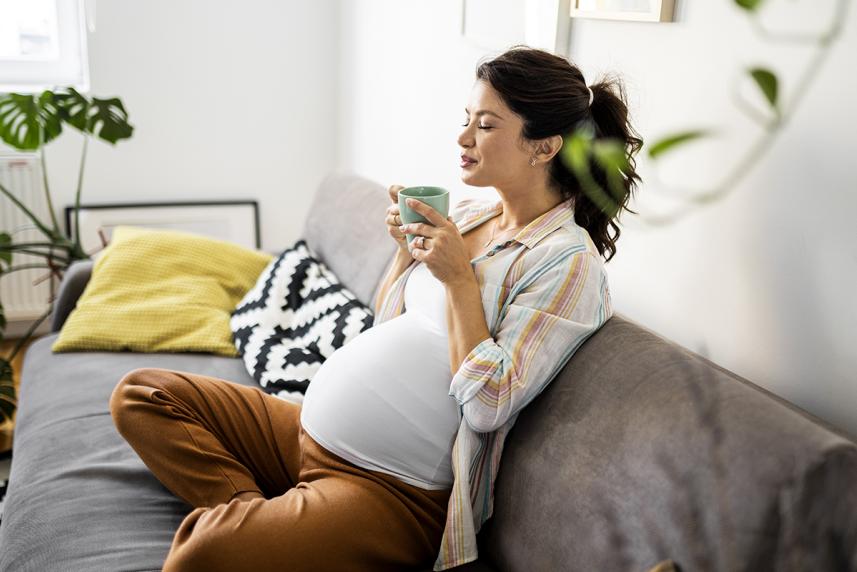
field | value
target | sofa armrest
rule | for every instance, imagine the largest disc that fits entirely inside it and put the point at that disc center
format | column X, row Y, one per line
column 73, row 283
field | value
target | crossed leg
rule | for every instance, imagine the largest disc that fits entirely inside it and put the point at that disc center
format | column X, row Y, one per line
column 213, row 442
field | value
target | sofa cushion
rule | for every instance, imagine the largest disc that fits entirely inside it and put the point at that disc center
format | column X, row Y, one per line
column 293, row 319
column 158, row 291
column 79, row 496
column 77, row 490
column 345, row 226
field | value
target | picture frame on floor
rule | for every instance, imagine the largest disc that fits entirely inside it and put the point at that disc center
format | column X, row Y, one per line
column 235, row 221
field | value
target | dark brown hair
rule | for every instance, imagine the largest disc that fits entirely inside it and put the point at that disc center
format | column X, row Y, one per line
column 549, row 93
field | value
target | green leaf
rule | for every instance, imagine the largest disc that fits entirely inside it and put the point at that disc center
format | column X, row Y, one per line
column 104, row 118
column 575, row 153
column 663, row 145
column 7, row 409
column 610, row 155
column 73, row 108
column 575, row 150
column 767, row 82
column 749, row 5
column 27, row 122
column 8, row 401
column 5, row 255
column 112, row 117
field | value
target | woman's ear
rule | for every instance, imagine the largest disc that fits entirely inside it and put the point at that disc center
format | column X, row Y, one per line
column 550, row 147
column 554, row 144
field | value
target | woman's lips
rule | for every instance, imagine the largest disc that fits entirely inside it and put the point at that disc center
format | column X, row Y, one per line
column 465, row 162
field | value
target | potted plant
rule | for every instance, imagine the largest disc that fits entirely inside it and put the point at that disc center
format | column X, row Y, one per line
column 27, row 123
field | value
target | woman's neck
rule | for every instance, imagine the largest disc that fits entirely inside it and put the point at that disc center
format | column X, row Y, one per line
column 521, row 208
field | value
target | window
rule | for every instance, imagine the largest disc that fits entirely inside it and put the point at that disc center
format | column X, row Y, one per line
column 42, row 45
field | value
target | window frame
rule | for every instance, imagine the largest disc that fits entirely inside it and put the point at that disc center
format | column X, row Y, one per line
column 70, row 69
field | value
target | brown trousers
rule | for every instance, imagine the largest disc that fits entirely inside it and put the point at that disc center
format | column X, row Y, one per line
column 208, row 439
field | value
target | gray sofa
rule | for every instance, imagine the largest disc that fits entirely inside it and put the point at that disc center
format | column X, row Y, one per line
column 639, row 451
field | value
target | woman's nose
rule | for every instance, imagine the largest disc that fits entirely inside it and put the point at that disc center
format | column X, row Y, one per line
column 464, row 138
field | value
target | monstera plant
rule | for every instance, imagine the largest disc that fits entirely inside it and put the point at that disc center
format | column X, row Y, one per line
column 27, row 123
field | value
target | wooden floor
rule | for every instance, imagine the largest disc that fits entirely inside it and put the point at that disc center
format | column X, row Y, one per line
column 7, row 429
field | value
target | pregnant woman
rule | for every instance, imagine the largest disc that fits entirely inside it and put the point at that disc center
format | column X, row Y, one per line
column 390, row 461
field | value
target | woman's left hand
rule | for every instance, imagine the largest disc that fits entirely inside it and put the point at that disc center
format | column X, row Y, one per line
column 441, row 247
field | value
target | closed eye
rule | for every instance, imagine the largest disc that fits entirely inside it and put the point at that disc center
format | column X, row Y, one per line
column 479, row 126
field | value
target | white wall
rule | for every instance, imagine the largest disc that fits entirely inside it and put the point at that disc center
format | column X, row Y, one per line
column 759, row 282
column 406, row 76
column 230, row 100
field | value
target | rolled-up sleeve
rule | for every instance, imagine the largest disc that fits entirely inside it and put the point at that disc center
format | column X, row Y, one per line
column 543, row 326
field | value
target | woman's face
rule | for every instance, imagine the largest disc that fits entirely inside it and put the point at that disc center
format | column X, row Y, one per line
column 492, row 139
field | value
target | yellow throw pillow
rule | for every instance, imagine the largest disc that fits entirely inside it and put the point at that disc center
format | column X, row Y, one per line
column 162, row 291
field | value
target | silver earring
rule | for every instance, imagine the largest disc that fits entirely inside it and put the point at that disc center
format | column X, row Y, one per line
column 533, row 162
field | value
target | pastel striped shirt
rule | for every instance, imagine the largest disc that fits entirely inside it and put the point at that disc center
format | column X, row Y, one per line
column 544, row 292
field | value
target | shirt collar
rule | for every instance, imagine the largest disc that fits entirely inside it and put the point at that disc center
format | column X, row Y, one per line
column 537, row 229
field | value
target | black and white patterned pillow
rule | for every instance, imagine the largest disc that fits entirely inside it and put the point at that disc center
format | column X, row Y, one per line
column 294, row 318
column 3, row 484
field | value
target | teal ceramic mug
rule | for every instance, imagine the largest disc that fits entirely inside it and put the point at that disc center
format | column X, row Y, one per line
column 435, row 197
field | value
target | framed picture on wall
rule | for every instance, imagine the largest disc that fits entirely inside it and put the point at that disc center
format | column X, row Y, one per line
column 635, row 10
column 234, row 221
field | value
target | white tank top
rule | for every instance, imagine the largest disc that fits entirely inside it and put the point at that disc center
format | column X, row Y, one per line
column 382, row 400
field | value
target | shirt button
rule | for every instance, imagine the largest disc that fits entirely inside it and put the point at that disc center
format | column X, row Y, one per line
column 491, row 253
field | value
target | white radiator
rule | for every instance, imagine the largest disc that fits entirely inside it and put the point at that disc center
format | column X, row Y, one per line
column 22, row 301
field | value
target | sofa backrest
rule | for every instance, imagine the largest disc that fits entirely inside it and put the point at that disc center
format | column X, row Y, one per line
column 345, row 228
column 639, row 450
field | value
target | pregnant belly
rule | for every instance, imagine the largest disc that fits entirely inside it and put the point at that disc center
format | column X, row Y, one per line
column 382, row 401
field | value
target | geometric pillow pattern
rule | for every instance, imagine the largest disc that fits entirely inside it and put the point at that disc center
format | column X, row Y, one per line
column 295, row 317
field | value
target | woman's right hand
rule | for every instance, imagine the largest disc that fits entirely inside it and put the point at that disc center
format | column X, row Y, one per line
column 394, row 220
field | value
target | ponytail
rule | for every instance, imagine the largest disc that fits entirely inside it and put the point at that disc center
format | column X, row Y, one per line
column 551, row 96
column 608, row 115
